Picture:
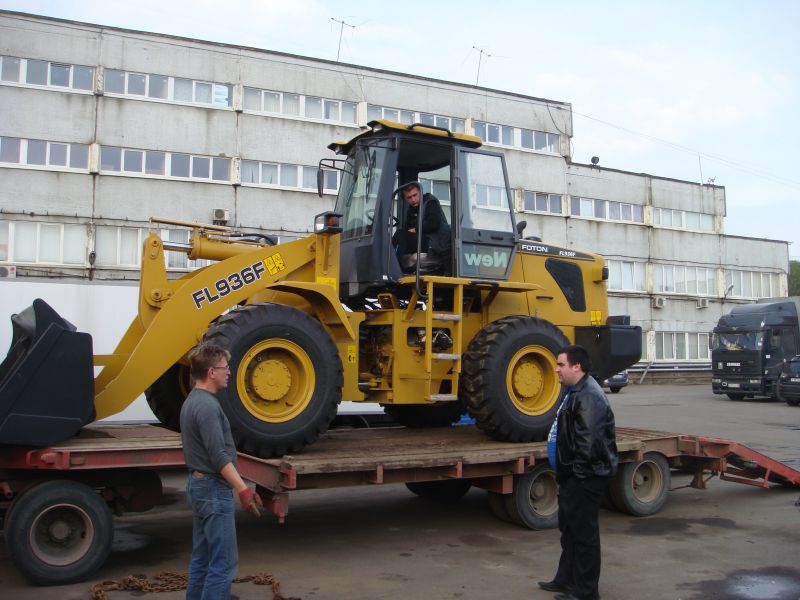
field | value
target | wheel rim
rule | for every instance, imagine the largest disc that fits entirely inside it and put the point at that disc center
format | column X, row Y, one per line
column 531, row 380
column 61, row 535
column 275, row 380
column 647, row 482
column 544, row 493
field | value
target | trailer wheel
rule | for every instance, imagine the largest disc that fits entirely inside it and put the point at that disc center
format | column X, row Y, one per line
column 286, row 378
column 497, row 504
column 165, row 397
column 445, row 490
column 59, row 532
column 509, row 379
column 534, row 503
column 418, row 416
column 640, row 488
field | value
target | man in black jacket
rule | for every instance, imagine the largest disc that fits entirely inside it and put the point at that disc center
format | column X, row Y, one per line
column 582, row 448
column 436, row 242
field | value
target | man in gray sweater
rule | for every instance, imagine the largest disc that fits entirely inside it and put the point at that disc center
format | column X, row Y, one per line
column 210, row 456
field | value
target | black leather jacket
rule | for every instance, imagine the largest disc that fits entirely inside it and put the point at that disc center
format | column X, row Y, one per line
column 586, row 443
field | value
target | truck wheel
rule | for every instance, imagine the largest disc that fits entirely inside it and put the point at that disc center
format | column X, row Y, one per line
column 736, row 396
column 441, row 414
column 790, row 400
column 445, row 490
column 286, row 378
column 167, row 394
column 534, row 503
column 640, row 488
column 59, row 532
column 509, row 379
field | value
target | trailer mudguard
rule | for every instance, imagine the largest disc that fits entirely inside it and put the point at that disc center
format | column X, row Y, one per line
column 46, row 380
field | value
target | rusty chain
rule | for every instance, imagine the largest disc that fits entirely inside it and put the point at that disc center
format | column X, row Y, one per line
column 172, row 581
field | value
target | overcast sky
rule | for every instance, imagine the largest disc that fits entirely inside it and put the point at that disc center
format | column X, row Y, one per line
column 691, row 90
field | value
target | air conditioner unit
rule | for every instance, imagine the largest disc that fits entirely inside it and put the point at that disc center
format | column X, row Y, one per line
column 8, row 271
column 702, row 303
column 221, row 216
column 659, row 302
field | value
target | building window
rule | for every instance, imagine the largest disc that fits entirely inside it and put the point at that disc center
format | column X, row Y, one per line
column 679, row 219
column 156, row 163
column 162, row 87
column 44, row 73
column 751, row 284
column 681, row 279
column 681, row 345
column 117, row 246
column 490, row 196
column 409, row 117
column 606, row 209
column 515, row 137
column 36, row 242
column 287, row 176
column 42, row 153
column 624, row 275
column 542, row 202
column 310, row 107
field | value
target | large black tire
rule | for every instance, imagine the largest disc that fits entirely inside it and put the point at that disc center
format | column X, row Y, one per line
column 418, row 416
column 286, row 378
column 509, row 380
column 534, row 503
column 640, row 488
column 59, row 532
column 444, row 490
column 167, row 394
column 497, row 504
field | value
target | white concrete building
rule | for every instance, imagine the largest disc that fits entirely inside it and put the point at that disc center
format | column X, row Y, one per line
column 103, row 128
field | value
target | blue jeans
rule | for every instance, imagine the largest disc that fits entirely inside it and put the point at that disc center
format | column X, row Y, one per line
column 214, row 553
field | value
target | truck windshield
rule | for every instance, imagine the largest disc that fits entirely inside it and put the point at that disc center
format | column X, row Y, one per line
column 358, row 192
column 745, row 340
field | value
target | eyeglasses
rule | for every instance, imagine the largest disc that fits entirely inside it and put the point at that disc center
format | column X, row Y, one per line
column 224, row 368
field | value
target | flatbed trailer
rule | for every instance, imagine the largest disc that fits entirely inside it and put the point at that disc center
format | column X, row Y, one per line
column 57, row 502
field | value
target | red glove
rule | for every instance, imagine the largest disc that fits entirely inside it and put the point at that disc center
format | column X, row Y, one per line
column 250, row 501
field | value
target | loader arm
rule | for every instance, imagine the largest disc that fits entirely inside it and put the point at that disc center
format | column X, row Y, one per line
column 174, row 315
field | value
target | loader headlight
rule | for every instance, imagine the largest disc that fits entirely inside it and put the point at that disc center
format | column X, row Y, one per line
column 328, row 222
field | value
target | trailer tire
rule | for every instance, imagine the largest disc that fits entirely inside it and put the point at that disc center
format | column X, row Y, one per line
column 640, row 488
column 509, row 381
column 286, row 378
column 444, row 490
column 165, row 397
column 497, row 504
column 59, row 532
column 419, row 416
column 534, row 502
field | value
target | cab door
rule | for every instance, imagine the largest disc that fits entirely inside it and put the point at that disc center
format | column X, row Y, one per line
column 484, row 229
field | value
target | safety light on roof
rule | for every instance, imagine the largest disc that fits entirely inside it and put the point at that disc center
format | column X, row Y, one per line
column 328, row 222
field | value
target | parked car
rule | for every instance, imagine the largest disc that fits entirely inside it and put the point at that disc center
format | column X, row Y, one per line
column 616, row 382
column 788, row 388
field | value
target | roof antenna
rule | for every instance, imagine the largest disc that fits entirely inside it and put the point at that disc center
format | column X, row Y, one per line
column 480, row 57
column 341, row 29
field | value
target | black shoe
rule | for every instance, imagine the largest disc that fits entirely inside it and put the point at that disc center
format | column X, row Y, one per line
column 554, row 586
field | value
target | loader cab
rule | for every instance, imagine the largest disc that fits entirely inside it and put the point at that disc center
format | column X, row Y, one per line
column 470, row 184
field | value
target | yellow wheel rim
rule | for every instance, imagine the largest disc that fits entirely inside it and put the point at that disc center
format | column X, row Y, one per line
column 275, row 380
column 532, row 381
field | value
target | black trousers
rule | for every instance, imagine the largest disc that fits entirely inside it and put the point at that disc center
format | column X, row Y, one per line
column 578, row 508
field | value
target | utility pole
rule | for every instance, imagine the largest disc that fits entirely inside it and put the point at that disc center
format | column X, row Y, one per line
column 480, row 57
column 341, row 29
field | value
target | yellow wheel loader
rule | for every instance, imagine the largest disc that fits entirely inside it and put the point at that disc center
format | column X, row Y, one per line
column 343, row 313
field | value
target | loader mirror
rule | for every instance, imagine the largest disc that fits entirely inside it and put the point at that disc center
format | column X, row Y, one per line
column 328, row 222
column 320, row 181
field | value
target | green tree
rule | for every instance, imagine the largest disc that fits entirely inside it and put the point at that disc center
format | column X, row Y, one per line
column 794, row 277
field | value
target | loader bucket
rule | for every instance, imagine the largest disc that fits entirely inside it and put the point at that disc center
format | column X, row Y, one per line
column 47, row 379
